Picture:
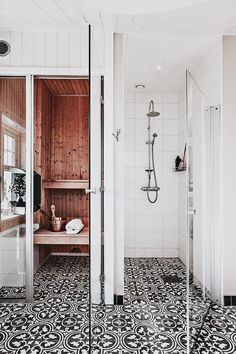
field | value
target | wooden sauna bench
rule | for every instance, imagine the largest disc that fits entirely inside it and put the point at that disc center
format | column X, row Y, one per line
column 47, row 237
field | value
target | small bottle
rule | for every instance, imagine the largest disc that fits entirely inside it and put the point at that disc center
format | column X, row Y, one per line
column 177, row 162
column 181, row 165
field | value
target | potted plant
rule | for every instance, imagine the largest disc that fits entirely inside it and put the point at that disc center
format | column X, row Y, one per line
column 18, row 187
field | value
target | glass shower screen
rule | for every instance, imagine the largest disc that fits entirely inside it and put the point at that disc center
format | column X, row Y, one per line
column 199, row 241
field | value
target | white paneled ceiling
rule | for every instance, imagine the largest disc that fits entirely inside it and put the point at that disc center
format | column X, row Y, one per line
column 150, row 16
column 209, row 17
column 135, row 7
column 145, row 54
column 176, row 30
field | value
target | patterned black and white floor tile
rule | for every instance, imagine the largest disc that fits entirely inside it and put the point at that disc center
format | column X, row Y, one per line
column 151, row 321
column 218, row 333
column 58, row 320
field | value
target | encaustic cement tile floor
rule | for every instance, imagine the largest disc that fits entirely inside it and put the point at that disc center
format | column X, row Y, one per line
column 151, row 321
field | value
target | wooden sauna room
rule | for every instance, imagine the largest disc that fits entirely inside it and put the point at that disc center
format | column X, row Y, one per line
column 61, row 159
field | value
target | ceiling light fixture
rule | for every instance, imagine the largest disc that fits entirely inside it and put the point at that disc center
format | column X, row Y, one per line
column 159, row 67
column 140, row 86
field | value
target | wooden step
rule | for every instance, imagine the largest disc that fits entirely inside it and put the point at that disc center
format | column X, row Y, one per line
column 66, row 184
column 47, row 237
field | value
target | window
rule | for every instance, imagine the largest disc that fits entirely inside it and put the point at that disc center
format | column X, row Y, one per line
column 9, row 150
column 11, row 160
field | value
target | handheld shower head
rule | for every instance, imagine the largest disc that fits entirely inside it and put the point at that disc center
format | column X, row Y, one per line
column 154, row 137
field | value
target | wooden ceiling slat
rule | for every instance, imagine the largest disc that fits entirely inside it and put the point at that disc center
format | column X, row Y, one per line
column 65, row 87
column 60, row 87
column 75, row 85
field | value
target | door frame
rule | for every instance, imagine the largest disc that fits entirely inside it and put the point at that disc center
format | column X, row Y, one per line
column 30, row 73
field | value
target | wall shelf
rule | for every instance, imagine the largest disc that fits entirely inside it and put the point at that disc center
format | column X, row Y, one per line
column 66, row 184
column 47, row 237
column 182, row 169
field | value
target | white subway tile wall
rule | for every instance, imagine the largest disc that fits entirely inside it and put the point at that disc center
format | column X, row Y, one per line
column 151, row 230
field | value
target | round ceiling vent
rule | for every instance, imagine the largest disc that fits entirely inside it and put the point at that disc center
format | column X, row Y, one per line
column 5, row 48
column 140, row 86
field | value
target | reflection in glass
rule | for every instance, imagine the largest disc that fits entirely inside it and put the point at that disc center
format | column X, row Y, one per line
column 199, row 243
column 12, row 218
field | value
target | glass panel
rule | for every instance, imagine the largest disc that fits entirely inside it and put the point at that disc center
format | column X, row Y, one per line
column 153, row 317
column 12, row 219
column 97, row 181
column 61, row 162
column 199, row 242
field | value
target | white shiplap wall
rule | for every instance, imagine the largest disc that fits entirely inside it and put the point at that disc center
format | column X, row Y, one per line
column 53, row 49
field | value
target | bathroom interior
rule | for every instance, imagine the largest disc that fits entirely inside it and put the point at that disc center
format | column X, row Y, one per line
column 166, row 151
column 170, row 155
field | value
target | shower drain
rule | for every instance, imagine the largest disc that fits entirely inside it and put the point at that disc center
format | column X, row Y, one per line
column 171, row 279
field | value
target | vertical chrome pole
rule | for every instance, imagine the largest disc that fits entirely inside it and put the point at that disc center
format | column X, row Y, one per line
column 149, row 146
column 187, row 212
column 29, row 188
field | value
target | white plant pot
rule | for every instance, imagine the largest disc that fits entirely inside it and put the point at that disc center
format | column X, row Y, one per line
column 19, row 210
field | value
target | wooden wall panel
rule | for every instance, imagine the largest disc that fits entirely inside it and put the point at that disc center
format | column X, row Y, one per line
column 70, row 248
column 61, row 150
column 70, row 203
column 12, row 222
column 42, row 139
column 12, row 99
column 44, row 252
column 47, row 104
column 70, row 138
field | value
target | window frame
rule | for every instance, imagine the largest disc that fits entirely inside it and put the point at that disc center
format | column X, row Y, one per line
column 17, row 136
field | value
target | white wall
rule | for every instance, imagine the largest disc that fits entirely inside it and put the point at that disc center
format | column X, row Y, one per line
column 151, row 230
column 119, row 163
column 229, row 166
column 207, row 71
column 52, row 49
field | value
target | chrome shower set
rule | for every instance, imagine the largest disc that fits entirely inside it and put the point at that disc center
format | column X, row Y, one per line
column 151, row 161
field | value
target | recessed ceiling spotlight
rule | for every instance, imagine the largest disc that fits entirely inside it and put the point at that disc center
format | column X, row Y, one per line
column 158, row 67
column 140, row 86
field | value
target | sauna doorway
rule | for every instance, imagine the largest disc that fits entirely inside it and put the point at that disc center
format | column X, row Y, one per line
column 61, row 162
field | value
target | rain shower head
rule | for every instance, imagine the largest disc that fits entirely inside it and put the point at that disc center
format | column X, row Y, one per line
column 151, row 112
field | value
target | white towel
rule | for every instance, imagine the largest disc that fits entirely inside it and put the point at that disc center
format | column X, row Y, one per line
column 74, row 226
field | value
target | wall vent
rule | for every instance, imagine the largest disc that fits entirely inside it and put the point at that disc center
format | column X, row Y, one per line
column 5, row 48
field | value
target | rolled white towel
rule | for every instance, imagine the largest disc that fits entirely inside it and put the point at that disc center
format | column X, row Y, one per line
column 74, row 226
